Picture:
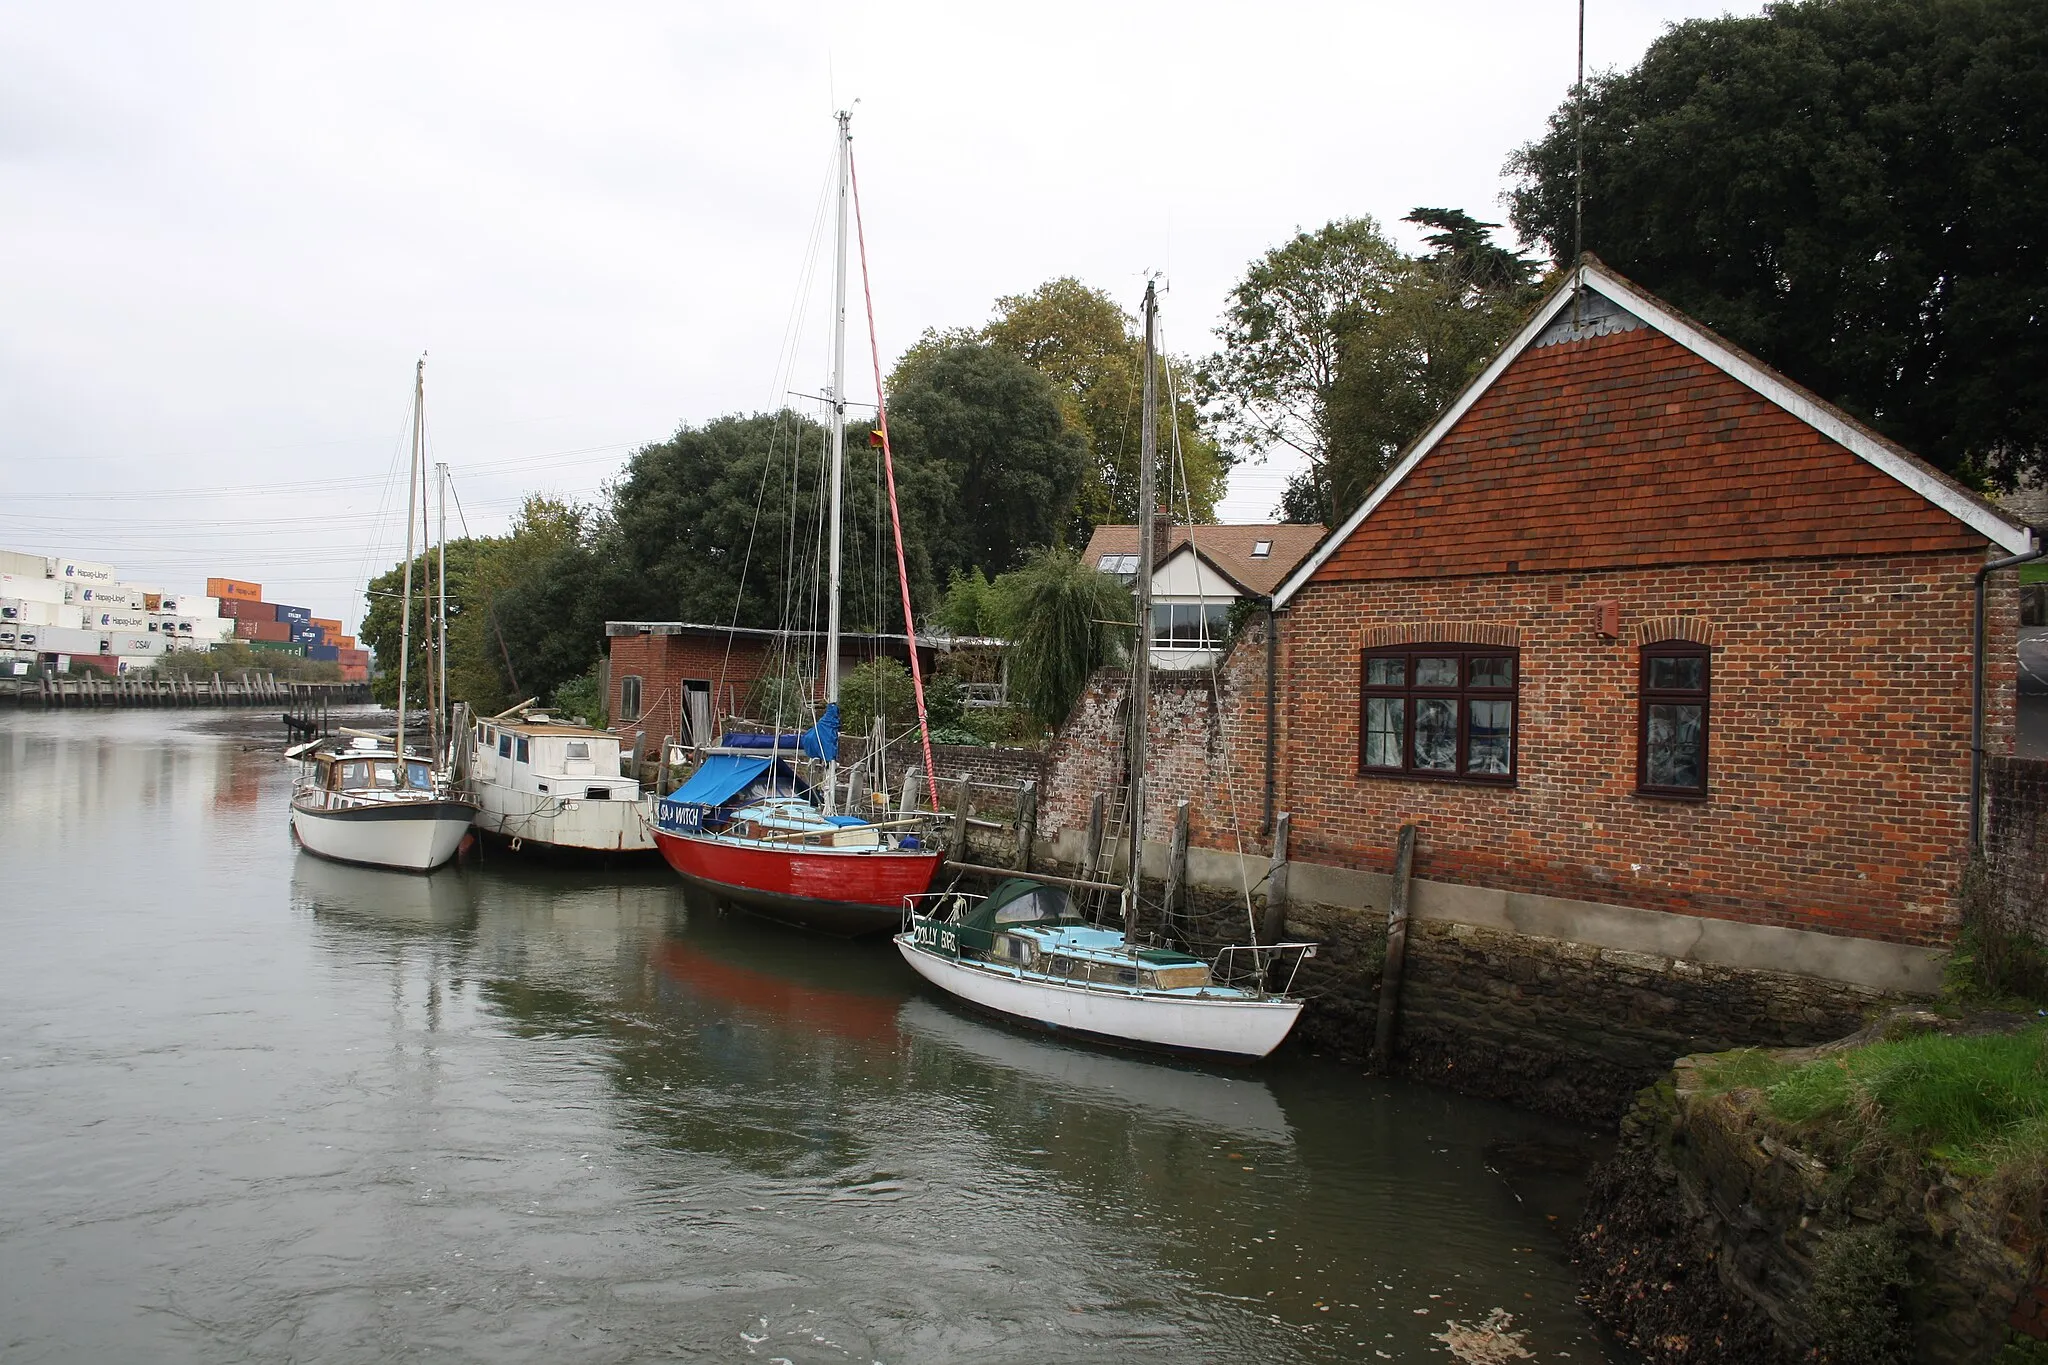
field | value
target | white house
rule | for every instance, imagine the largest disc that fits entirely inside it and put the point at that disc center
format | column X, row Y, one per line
column 1197, row 573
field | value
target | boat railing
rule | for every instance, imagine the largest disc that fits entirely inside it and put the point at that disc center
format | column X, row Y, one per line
column 1254, row 965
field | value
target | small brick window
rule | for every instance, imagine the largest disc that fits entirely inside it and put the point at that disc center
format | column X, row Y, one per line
column 1441, row 712
column 629, row 697
column 1673, row 718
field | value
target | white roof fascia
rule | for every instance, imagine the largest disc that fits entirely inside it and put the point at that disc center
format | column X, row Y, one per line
column 2008, row 535
column 1307, row 568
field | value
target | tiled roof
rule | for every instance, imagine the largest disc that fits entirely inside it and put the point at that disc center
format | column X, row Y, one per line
column 1636, row 444
column 1229, row 548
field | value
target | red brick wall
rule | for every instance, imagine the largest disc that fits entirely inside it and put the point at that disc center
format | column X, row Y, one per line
column 1205, row 739
column 1629, row 449
column 1839, row 744
column 664, row 662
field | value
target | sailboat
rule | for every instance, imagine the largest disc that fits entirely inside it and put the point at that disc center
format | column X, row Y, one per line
column 748, row 826
column 1027, row 952
column 362, row 798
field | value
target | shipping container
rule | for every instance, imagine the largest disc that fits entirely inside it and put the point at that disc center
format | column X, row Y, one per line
column 326, row 654
column 235, row 588
column 14, row 611
column 275, row 632
column 134, row 643
column 299, row 615
column 241, row 609
column 14, row 636
column 16, row 564
column 277, row 647
column 99, row 663
column 30, row 589
column 346, row 641
column 332, row 627
column 125, row 664
column 152, row 601
column 354, row 674
column 308, row 635
column 121, row 620
column 71, row 618
column 58, row 640
column 86, row 571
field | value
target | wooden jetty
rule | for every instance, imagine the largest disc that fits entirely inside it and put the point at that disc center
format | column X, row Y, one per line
column 244, row 689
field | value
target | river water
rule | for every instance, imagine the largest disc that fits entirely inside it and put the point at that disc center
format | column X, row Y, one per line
column 254, row 1106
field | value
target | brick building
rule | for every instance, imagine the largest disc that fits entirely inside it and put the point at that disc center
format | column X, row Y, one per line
column 1638, row 622
column 683, row 679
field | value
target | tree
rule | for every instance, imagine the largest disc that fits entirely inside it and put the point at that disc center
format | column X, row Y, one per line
column 1283, row 331
column 1094, row 354
column 982, row 443
column 1851, row 189
column 1058, row 614
column 1402, row 364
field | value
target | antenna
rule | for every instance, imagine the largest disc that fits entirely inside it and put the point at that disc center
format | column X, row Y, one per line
column 1579, row 169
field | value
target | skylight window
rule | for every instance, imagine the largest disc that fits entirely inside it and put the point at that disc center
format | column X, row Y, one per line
column 1261, row 549
column 1123, row 566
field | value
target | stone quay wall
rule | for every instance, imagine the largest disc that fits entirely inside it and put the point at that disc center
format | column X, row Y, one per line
column 2016, row 843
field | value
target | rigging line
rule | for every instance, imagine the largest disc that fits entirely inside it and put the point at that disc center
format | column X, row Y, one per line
column 924, row 725
column 785, row 366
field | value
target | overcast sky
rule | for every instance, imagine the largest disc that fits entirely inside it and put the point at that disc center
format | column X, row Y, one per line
column 230, row 229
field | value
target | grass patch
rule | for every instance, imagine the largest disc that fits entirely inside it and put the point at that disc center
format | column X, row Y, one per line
column 2034, row 573
column 1977, row 1103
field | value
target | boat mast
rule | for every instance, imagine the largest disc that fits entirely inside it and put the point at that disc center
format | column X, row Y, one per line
column 441, row 637
column 412, row 490
column 1140, row 705
column 838, row 395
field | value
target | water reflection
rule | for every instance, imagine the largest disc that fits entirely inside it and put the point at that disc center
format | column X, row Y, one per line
column 279, row 1107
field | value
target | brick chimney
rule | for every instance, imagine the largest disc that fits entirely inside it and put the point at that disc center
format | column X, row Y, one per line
column 1161, row 523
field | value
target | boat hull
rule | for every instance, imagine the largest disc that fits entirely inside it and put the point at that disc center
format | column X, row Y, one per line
column 1243, row 1029
column 407, row 836
column 848, row 892
column 610, row 831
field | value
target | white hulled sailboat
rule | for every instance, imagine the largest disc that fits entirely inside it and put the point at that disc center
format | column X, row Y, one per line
column 365, row 799
column 1026, row 952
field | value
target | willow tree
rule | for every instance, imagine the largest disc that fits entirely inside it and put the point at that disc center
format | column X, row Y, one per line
column 1064, row 620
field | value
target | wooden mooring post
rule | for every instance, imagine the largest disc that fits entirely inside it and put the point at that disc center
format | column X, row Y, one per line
column 1027, row 824
column 956, row 843
column 1273, row 924
column 1176, row 868
column 1397, row 951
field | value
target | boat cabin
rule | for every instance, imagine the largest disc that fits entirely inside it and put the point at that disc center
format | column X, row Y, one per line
column 363, row 766
column 1038, row 927
column 538, row 754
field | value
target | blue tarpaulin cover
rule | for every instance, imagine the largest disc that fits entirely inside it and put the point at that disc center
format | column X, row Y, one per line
column 722, row 777
column 820, row 741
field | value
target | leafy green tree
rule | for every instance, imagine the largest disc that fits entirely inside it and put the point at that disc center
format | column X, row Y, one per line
column 582, row 697
column 1401, row 364
column 967, row 608
column 1283, row 331
column 880, row 687
column 383, row 619
column 982, row 443
column 1059, row 618
column 1094, row 354
column 1851, row 189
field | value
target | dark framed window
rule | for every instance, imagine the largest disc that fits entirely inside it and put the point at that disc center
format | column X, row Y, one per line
column 629, row 697
column 520, row 752
column 1441, row 712
column 1673, row 716
column 504, row 744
